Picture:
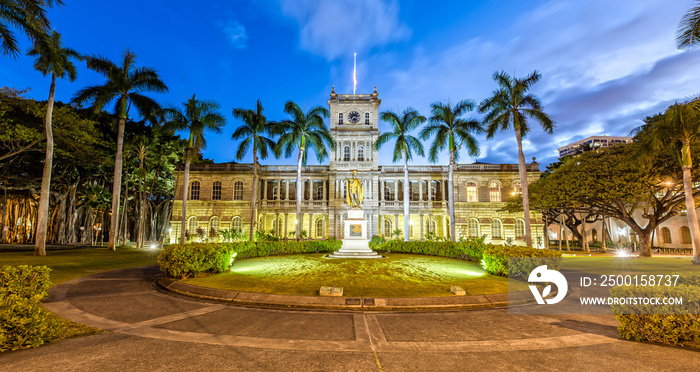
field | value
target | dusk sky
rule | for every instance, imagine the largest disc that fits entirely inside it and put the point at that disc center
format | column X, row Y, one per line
column 605, row 64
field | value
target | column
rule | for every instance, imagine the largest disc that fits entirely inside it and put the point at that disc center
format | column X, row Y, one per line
column 421, row 226
column 309, row 189
column 323, row 233
column 430, row 224
column 300, row 221
column 396, row 222
column 285, row 225
column 396, row 189
column 381, row 190
column 381, row 225
column 420, row 190
column 444, row 226
column 325, row 197
column 342, row 226
column 311, row 225
column 264, row 222
column 279, row 189
column 264, row 188
column 430, row 191
column 286, row 190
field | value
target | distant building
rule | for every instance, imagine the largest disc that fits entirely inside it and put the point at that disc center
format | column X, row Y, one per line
column 591, row 142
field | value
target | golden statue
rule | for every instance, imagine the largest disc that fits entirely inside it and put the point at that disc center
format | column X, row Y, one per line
column 355, row 192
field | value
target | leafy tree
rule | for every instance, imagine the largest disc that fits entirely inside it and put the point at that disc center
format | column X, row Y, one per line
column 674, row 132
column 197, row 116
column 54, row 59
column 124, row 85
column 453, row 132
column 305, row 131
column 510, row 106
column 29, row 16
column 404, row 146
column 253, row 131
column 17, row 114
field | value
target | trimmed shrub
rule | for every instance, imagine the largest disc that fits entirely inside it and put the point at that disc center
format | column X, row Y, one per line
column 194, row 260
column 467, row 250
column 24, row 323
column 667, row 324
column 495, row 260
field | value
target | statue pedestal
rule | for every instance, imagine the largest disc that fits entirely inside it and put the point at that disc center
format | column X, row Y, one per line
column 356, row 241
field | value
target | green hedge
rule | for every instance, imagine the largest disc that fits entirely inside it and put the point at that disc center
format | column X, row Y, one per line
column 193, row 260
column 670, row 324
column 24, row 323
column 494, row 258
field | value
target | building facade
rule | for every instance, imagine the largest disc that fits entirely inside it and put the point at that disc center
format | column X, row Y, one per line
column 219, row 195
column 592, row 142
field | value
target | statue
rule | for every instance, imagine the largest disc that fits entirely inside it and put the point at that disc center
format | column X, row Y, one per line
column 355, row 192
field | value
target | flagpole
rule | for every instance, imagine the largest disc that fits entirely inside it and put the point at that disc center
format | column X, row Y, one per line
column 354, row 75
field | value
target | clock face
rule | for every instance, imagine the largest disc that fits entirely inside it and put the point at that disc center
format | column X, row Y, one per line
column 354, row 116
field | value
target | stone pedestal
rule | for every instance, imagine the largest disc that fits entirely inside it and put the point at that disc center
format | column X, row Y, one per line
column 356, row 241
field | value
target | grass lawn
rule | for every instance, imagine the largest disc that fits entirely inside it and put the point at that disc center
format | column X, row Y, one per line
column 71, row 264
column 398, row 275
column 616, row 265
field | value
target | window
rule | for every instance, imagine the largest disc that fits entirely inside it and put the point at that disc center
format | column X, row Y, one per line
column 238, row 190
column 685, row 235
column 495, row 191
column 345, row 189
column 192, row 225
column 432, row 226
column 496, row 229
column 433, row 193
column 519, row 229
column 346, row 153
column 274, row 193
column 366, row 118
column 387, row 194
column 473, row 228
column 194, row 190
column 319, row 228
column 412, row 194
column 594, row 235
column 387, row 227
column 517, row 187
column 275, row 226
column 216, row 191
column 214, row 223
column 319, row 193
column 360, row 153
column 472, row 195
column 236, row 224
column 340, row 118
column 410, row 231
column 666, row 235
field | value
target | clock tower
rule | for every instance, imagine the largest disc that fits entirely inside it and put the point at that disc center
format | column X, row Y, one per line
column 354, row 125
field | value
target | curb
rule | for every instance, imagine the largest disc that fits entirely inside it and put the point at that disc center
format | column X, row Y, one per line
column 343, row 303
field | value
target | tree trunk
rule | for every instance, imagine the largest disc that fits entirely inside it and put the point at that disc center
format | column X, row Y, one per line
column 560, row 236
column 185, row 196
column 644, row 243
column 297, row 226
column 584, row 236
column 255, row 190
column 450, row 193
column 523, row 184
column 692, row 214
column 125, row 215
column 546, row 233
column 605, row 234
column 117, row 182
column 406, row 200
column 142, row 211
column 43, row 213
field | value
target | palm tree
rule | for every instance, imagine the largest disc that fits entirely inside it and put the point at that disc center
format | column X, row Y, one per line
column 141, row 148
column 303, row 132
column 196, row 117
column 255, row 127
column 510, row 106
column 55, row 59
column 676, row 130
column 124, row 85
column 453, row 132
column 688, row 33
column 404, row 146
column 27, row 15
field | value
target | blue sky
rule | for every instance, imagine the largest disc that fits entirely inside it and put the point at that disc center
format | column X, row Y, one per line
column 605, row 64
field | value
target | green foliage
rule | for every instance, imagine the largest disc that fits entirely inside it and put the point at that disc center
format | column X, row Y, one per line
column 495, row 260
column 667, row 324
column 231, row 235
column 194, row 260
column 464, row 250
column 375, row 242
column 24, row 323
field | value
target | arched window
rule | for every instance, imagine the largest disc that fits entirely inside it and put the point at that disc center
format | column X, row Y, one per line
column 214, row 223
column 275, row 226
column 666, row 235
column 340, row 118
column 238, row 190
column 319, row 228
column 432, row 226
column 685, row 235
column 366, row 118
column 387, row 227
column 519, row 229
column 472, row 195
column 496, row 229
column 473, row 228
column 216, row 191
column 346, row 153
column 319, row 193
column 192, row 225
column 236, row 224
column 274, row 193
column 495, row 191
column 594, row 235
column 410, row 230
column 360, row 153
column 433, row 193
column 517, row 188
column 194, row 190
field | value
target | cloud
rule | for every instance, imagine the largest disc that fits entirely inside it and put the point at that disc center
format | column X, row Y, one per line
column 341, row 27
column 235, row 34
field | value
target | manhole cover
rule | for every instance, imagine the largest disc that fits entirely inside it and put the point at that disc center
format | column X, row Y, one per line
column 352, row 301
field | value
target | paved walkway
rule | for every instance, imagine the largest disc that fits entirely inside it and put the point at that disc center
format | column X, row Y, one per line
column 151, row 330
